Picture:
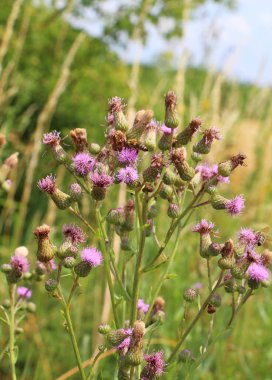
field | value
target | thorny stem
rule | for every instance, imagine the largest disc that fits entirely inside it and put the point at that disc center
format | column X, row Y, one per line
column 12, row 359
column 142, row 219
column 104, row 250
column 195, row 320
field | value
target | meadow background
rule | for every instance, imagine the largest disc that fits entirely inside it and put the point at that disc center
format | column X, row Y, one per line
column 54, row 76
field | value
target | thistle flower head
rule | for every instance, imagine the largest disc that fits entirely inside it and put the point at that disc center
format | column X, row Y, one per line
column 258, row 272
column 52, row 138
column 91, row 256
column 211, row 134
column 101, row 179
column 127, row 156
column 20, row 263
column 251, row 256
column 76, row 188
column 142, row 306
column 48, row 184
column 127, row 175
column 155, row 366
column 206, row 171
column 167, row 131
column 42, row 231
column 74, row 233
column 157, row 160
column 24, row 292
column 170, row 99
column 115, row 104
column 247, row 237
column 84, row 163
column 204, row 227
column 236, row 205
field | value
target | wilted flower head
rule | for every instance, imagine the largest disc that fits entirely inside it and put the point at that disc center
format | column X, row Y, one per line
column 247, row 236
column 142, row 306
column 258, row 272
column 127, row 175
column 211, row 134
column 24, row 292
column 20, row 263
column 51, row 138
column 115, row 104
column 74, row 233
column 127, row 156
column 83, row 162
column 155, row 366
column 91, row 256
column 48, row 184
column 204, row 227
column 236, row 205
column 101, row 179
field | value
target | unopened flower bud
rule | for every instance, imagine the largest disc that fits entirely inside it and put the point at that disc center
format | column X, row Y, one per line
column 75, row 192
column 169, row 177
column 69, row 262
column 185, row 356
column 50, row 285
column 184, row 137
column 142, row 119
column 171, row 118
column 173, row 211
column 104, row 329
column 94, row 148
column 115, row 337
column 148, row 138
column 31, row 307
column 152, row 212
column 225, row 168
column 79, row 137
column 196, row 157
column 45, row 251
column 189, row 295
column 216, row 300
column 6, row 268
column 166, row 192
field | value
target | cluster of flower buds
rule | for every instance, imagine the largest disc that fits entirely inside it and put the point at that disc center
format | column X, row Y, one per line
column 241, row 260
column 7, row 166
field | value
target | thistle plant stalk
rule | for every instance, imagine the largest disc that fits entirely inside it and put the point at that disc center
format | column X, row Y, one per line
column 12, row 359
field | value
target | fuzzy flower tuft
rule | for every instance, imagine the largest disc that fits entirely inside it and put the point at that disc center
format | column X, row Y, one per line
column 24, row 292
column 247, row 237
column 101, row 179
column 74, row 233
column 142, row 306
column 236, row 205
column 51, row 138
column 204, row 227
column 206, row 171
column 127, row 175
column 47, row 184
column 127, row 156
column 258, row 272
column 91, row 256
column 211, row 134
column 84, row 163
column 20, row 263
column 155, row 366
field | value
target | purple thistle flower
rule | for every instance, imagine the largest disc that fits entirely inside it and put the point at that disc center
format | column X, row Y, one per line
column 123, row 346
column 110, row 119
column 206, row 171
column 127, row 156
column 142, row 306
column 20, row 263
column 251, row 256
column 236, row 205
column 24, row 292
column 91, row 256
column 51, row 138
column 127, row 175
column 167, row 131
column 115, row 104
column 258, row 272
column 74, row 233
column 247, row 237
column 211, row 134
column 48, row 184
column 204, row 227
column 155, row 366
column 222, row 179
column 84, row 163
column 101, row 179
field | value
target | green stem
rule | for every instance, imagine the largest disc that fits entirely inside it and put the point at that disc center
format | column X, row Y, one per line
column 238, row 308
column 74, row 286
column 195, row 320
column 12, row 359
column 72, row 334
column 106, row 261
column 137, row 272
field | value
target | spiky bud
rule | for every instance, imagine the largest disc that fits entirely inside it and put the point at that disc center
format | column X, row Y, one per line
column 45, row 251
column 134, row 356
column 214, row 249
column 75, row 192
column 79, row 137
column 166, row 192
column 142, row 119
column 129, row 216
column 69, row 262
column 82, row 269
column 149, row 136
column 185, row 136
column 104, row 329
column 94, row 148
column 185, row 355
column 61, row 199
column 171, row 118
column 173, row 211
column 98, row 193
column 169, row 177
column 218, row 202
column 50, row 285
column 189, row 295
column 196, row 157
column 115, row 337
column 152, row 212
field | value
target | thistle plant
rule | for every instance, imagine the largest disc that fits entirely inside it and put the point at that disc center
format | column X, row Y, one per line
column 164, row 168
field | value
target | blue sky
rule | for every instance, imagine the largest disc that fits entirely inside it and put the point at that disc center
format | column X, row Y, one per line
column 238, row 41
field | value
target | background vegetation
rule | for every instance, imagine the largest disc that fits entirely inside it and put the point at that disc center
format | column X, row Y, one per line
column 52, row 76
